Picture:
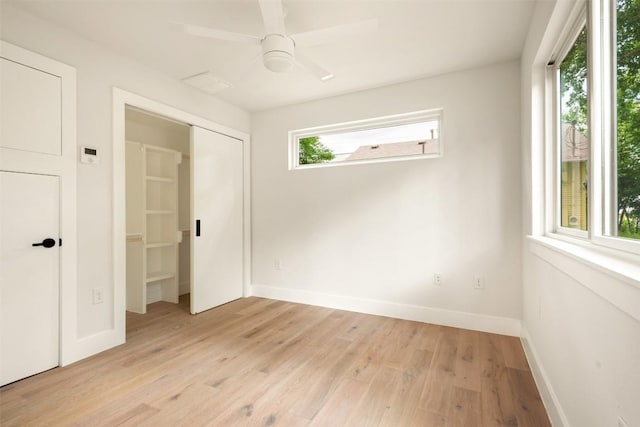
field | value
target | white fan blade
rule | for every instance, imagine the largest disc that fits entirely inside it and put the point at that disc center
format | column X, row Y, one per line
column 337, row 33
column 272, row 16
column 306, row 62
column 212, row 33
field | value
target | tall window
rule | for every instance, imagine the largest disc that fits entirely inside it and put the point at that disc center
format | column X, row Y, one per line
column 596, row 77
column 574, row 147
column 627, row 108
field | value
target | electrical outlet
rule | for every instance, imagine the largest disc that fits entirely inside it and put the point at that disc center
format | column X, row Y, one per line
column 437, row 279
column 98, row 296
column 478, row 282
column 621, row 422
column 277, row 264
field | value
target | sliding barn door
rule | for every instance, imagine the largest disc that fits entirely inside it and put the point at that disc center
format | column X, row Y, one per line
column 216, row 219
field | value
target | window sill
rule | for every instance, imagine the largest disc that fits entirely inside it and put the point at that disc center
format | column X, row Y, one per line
column 366, row 162
column 612, row 275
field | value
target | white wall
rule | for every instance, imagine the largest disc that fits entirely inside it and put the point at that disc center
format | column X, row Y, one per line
column 584, row 350
column 370, row 237
column 174, row 138
column 97, row 72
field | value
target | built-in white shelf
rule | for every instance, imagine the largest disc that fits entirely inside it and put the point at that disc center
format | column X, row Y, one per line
column 134, row 237
column 160, row 179
column 153, row 174
column 159, row 245
column 160, row 275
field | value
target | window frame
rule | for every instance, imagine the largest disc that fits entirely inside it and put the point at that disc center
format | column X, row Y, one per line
column 606, row 11
column 436, row 114
column 579, row 22
column 600, row 18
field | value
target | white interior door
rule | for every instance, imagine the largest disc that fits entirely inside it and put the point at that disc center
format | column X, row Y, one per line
column 29, row 275
column 216, row 219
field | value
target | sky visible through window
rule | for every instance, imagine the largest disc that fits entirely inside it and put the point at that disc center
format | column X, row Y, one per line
column 348, row 142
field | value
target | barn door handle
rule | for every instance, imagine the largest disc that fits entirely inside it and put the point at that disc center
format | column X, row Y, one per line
column 47, row 243
column 197, row 228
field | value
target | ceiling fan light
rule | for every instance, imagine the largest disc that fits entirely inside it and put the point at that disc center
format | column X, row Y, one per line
column 278, row 61
column 277, row 53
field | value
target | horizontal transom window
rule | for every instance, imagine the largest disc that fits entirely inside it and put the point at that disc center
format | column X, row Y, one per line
column 406, row 136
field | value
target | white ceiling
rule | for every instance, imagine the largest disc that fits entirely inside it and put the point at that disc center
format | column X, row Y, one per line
column 415, row 38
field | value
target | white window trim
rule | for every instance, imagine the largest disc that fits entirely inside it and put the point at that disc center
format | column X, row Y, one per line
column 603, row 115
column 373, row 123
column 579, row 20
column 609, row 272
column 600, row 18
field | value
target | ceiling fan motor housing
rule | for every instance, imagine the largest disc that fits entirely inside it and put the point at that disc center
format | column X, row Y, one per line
column 277, row 53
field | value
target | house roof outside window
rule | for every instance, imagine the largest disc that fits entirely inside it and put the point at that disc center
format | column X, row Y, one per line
column 575, row 146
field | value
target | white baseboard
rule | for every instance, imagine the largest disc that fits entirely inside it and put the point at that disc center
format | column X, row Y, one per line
column 90, row 345
column 184, row 288
column 548, row 395
column 458, row 319
column 154, row 293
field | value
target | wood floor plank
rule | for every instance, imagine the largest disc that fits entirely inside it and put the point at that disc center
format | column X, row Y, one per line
column 366, row 366
column 327, row 377
column 427, row 337
column 286, row 317
column 256, row 361
column 399, row 343
column 513, row 354
column 465, row 408
column 498, row 406
column 357, row 324
column 280, row 396
column 378, row 398
column 132, row 417
column 342, row 403
column 468, row 362
column 530, row 410
column 195, row 405
column 436, row 395
column 422, row 418
column 406, row 400
column 491, row 359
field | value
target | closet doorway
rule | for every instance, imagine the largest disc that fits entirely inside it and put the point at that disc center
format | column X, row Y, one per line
column 158, row 209
column 184, row 218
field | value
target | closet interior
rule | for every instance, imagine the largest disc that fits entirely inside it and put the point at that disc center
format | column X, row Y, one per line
column 157, row 209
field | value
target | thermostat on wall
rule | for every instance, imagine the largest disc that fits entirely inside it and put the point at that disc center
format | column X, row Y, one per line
column 88, row 155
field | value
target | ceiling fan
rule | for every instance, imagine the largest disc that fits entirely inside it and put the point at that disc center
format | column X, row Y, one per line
column 281, row 51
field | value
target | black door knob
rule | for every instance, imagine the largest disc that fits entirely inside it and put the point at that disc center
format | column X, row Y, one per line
column 47, row 243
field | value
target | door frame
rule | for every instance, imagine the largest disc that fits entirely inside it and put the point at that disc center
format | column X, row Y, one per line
column 63, row 166
column 122, row 99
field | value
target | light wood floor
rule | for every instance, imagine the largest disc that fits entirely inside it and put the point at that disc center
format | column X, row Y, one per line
column 263, row 362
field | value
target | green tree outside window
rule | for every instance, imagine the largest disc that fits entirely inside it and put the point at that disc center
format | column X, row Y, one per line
column 627, row 108
column 312, row 151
